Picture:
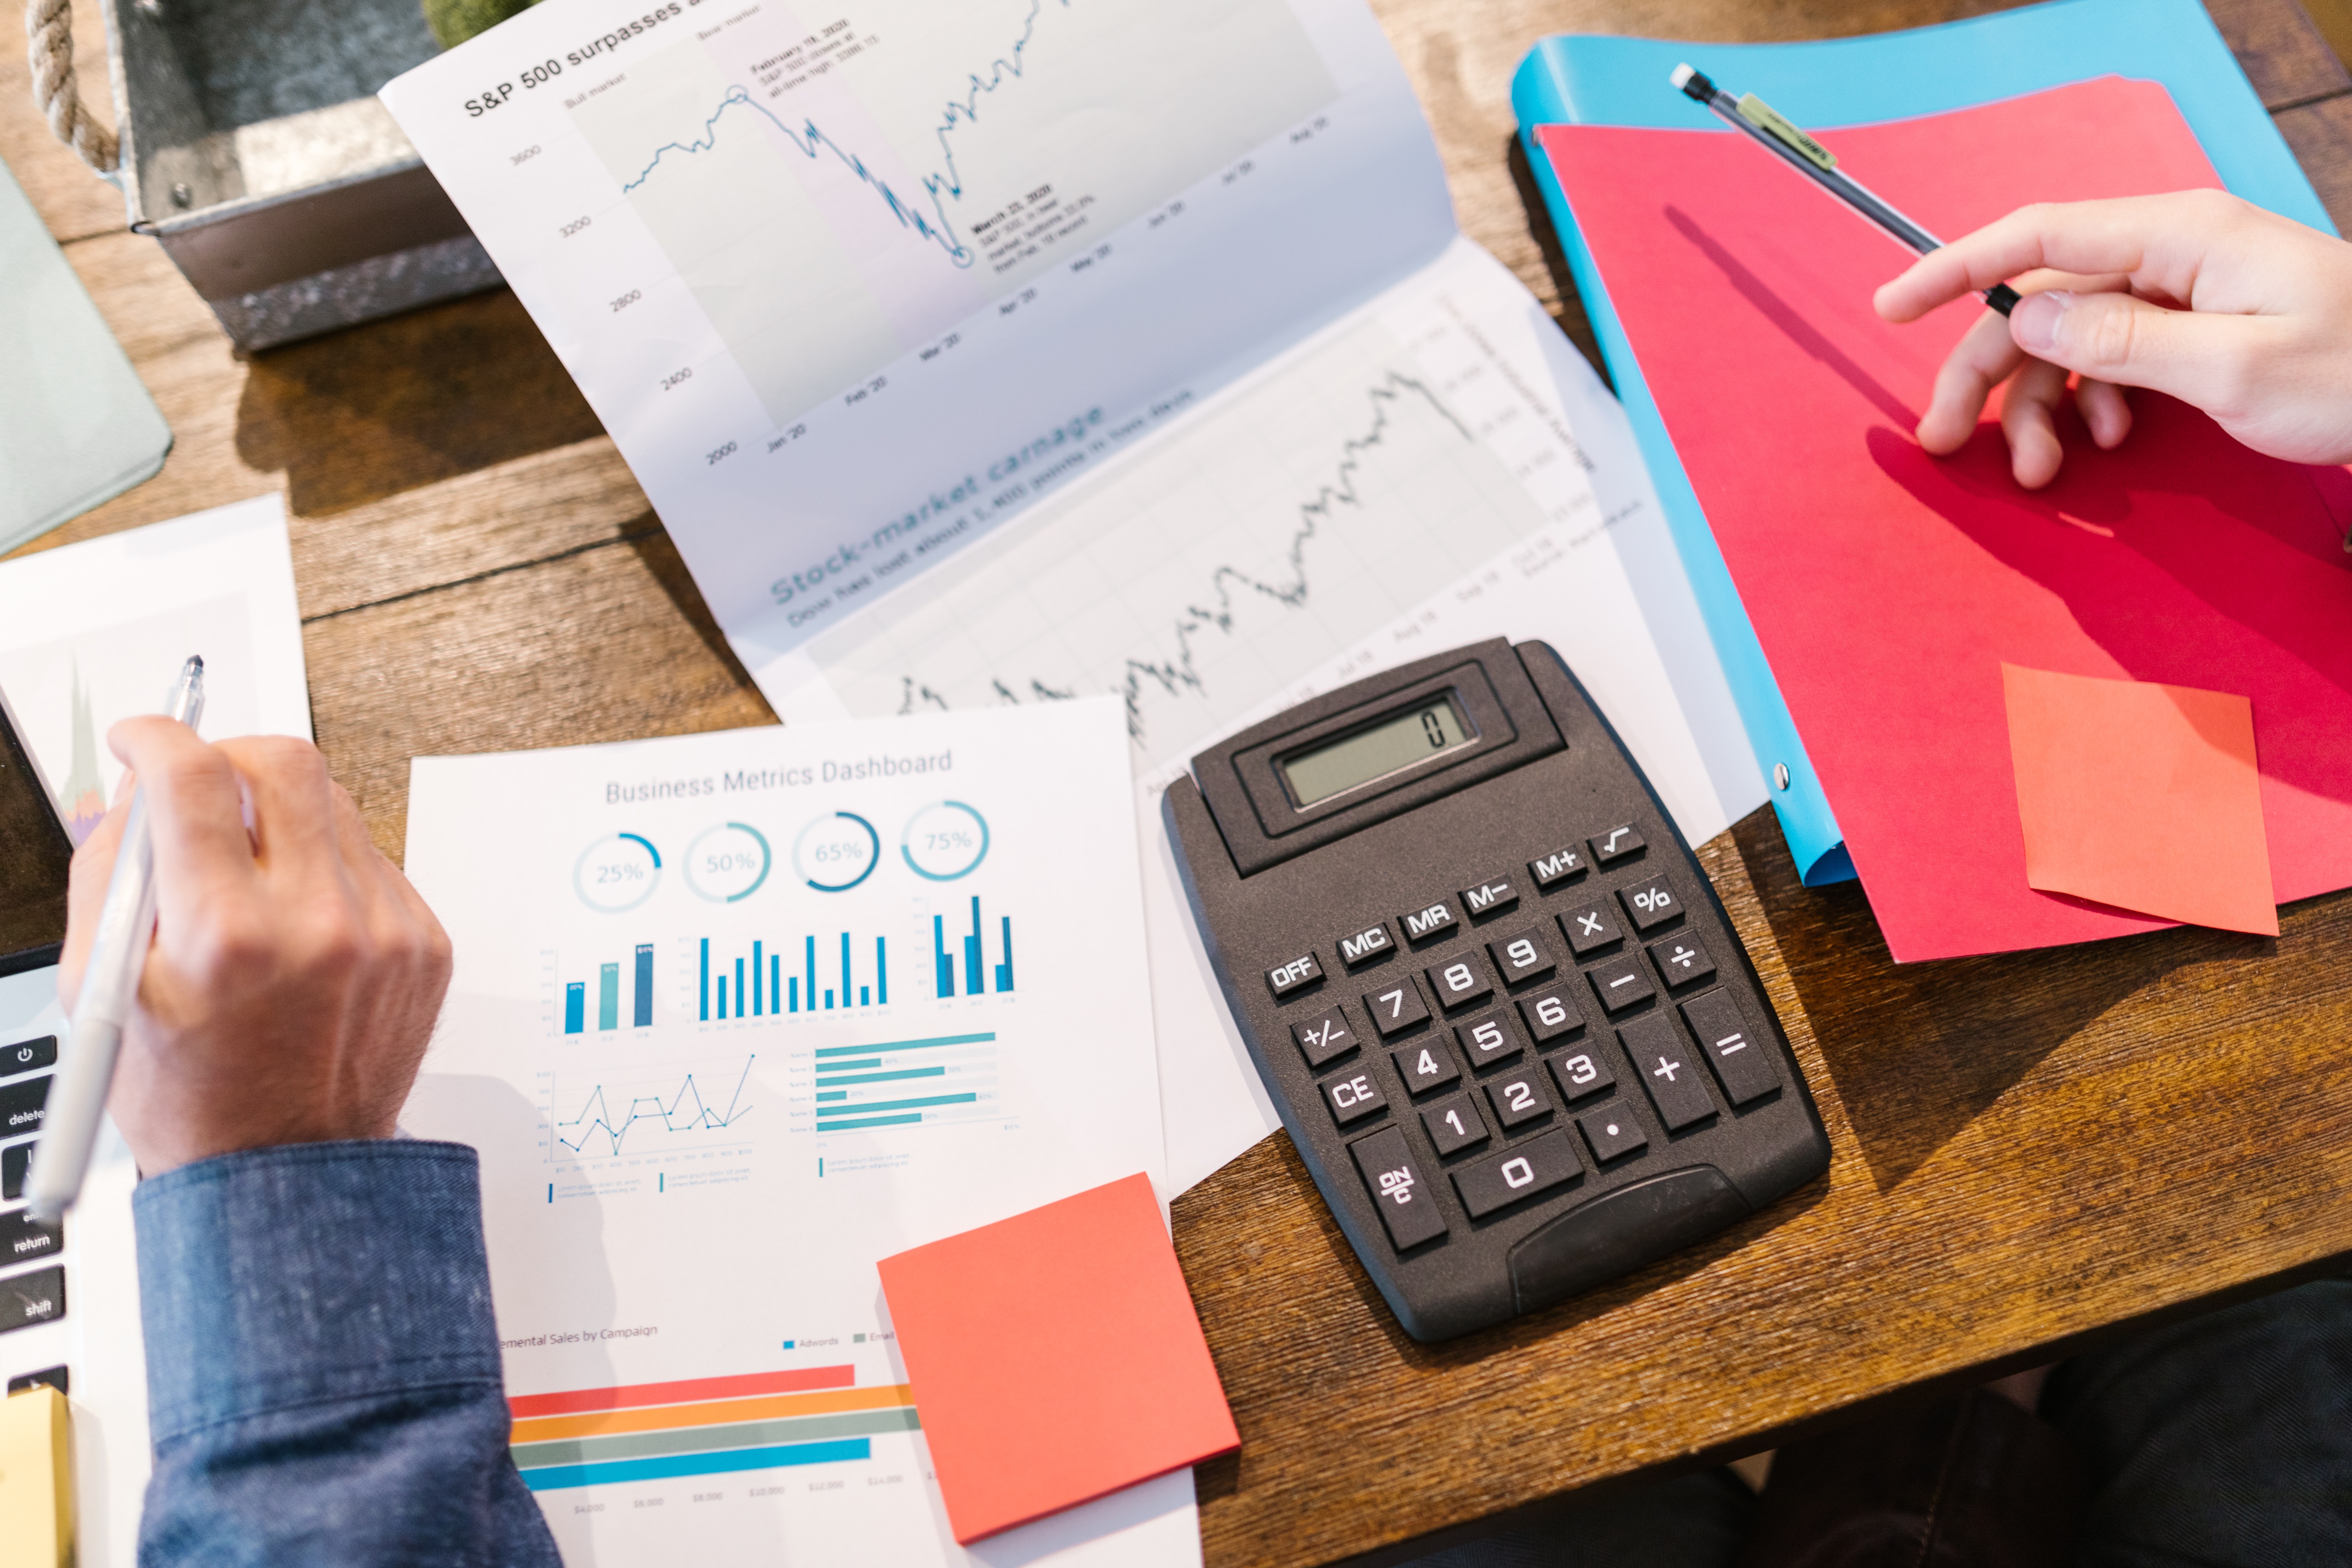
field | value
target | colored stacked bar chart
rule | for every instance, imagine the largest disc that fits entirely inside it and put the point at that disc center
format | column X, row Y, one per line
column 608, row 996
column 974, row 967
column 762, row 988
column 907, row 1083
column 703, row 1427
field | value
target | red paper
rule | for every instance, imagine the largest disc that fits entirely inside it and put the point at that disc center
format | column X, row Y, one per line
column 2142, row 795
column 1888, row 586
column 1055, row 1357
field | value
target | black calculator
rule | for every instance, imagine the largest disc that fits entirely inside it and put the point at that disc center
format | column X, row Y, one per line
column 1503, row 1013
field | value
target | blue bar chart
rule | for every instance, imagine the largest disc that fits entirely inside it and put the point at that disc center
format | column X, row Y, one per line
column 753, row 983
column 976, row 969
column 907, row 1083
column 608, row 995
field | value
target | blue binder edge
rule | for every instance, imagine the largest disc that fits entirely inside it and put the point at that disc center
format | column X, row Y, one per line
column 1580, row 79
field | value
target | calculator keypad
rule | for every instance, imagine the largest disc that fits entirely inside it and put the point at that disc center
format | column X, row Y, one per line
column 1515, row 1094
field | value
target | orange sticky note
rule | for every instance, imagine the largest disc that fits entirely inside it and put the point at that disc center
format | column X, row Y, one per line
column 1055, row 1358
column 2141, row 795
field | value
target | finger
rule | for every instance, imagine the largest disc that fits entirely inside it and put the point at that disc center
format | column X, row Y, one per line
column 2161, row 240
column 293, row 808
column 2034, row 453
column 2105, row 411
column 195, row 815
column 2206, row 360
column 393, row 897
column 1983, row 357
column 93, row 867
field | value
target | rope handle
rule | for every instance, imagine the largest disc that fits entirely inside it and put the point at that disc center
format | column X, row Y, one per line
column 48, row 35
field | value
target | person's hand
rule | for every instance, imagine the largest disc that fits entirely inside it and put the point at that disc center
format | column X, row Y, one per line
column 2244, row 314
column 296, row 975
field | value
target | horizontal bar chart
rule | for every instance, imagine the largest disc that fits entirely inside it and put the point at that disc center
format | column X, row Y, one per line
column 659, row 1431
column 905, row 1083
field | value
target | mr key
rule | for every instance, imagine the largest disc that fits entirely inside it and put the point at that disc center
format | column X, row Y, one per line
column 1505, row 1018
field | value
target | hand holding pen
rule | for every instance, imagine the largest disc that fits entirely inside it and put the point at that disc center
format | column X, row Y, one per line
column 294, row 975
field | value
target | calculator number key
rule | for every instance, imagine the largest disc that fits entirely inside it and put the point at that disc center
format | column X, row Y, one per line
column 1324, row 1038
column 1550, row 1015
column 1396, row 1009
column 1458, row 982
column 1523, row 1171
column 1650, row 905
column 1611, row 1131
column 1681, row 961
column 1353, row 1098
column 1518, row 1100
column 1620, row 983
column 1455, row 1124
column 1488, row 1039
column 1398, row 1188
column 1426, row 1065
column 1521, row 956
column 1617, row 844
column 1580, row 1074
column 1285, row 980
column 1589, row 930
column 1668, row 1069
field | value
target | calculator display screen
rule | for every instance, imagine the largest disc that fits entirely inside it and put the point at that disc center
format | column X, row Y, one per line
column 1426, row 730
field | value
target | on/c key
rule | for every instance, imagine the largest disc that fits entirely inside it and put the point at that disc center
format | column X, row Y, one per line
column 1399, row 1189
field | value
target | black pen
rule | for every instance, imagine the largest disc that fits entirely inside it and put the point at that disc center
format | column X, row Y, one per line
column 1789, row 142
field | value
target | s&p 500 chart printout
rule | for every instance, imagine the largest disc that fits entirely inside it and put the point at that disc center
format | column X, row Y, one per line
column 734, row 1016
column 1004, row 351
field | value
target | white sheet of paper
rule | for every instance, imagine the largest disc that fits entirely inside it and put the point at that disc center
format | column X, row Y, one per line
column 737, row 1014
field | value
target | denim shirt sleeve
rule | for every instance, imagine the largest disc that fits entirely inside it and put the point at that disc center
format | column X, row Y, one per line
column 323, row 1379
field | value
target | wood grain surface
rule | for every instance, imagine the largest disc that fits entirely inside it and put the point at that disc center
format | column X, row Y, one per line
column 2033, row 1151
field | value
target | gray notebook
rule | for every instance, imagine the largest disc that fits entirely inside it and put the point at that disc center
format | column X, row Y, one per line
column 77, row 427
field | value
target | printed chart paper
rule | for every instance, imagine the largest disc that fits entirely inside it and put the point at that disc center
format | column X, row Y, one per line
column 735, row 1015
column 1887, row 586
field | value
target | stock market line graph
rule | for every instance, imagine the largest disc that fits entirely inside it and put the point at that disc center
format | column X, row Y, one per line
column 1345, row 490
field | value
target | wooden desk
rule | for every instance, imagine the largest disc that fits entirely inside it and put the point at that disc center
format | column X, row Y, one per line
column 2032, row 1151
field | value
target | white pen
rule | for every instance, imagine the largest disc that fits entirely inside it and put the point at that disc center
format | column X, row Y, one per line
column 109, row 987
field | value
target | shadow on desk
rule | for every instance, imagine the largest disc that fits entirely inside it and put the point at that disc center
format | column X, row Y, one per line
column 1917, row 1051
column 369, row 412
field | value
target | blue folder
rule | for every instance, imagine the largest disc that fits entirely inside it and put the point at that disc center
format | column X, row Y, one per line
column 1587, row 80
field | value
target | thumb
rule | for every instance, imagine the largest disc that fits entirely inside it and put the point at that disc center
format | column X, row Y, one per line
column 2130, row 342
